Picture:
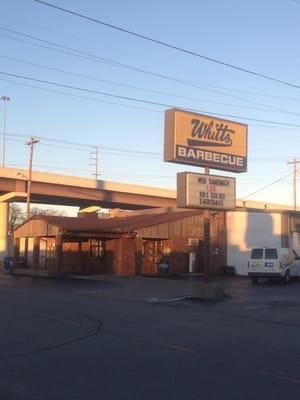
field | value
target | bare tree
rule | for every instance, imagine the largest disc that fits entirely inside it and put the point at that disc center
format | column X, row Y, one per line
column 16, row 216
column 49, row 211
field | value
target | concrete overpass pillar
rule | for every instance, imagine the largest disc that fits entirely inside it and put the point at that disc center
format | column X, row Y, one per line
column 3, row 230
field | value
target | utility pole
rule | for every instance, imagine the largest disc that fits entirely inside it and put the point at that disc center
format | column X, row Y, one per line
column 95, row 162
column 294, row 163
column 5, row 99
column 30, row 143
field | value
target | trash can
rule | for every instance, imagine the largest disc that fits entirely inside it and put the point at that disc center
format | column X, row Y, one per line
column 8, row 262
column 22, row 262
column 163, row 267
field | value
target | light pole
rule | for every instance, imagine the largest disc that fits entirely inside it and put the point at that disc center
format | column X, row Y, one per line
column 5, row 99
column 30, row 143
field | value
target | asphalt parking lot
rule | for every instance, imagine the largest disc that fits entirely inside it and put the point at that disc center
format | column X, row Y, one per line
column 131, row 338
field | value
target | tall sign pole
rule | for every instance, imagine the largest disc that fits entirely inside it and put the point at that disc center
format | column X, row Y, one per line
column 206, row 235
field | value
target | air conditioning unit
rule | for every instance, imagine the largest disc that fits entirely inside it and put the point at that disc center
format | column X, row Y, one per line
column 193, row 242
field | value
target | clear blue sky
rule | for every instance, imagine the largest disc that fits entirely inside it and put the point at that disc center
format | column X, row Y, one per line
column 260, row 35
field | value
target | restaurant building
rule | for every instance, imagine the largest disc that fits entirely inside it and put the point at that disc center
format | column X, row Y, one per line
column 134, row 243
column 138, row 242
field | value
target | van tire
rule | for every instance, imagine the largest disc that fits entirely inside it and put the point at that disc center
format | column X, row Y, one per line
column 287, row 278
column 254, row 280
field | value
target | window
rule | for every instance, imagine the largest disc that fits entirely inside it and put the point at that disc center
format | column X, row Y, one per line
column 257, row 254
column 50, row 248
column 97, row 248
column 271, row 254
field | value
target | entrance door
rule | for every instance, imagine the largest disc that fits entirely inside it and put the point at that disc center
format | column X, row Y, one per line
column 151, row 255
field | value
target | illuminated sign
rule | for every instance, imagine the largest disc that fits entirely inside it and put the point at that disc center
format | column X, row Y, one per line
column 205, row 191
column 205, row 141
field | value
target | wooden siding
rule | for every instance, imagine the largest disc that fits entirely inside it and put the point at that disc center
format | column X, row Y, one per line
column 187, row 227
column 35, row 228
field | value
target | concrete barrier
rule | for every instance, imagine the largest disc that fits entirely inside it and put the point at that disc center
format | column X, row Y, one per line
column 208, row 290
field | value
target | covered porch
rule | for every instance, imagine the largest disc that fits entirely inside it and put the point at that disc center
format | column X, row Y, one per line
column 53, row 246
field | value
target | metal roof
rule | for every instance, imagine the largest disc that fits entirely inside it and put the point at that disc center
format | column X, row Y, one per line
column 116, row 224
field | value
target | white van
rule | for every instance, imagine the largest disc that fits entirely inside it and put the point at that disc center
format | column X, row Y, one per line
column 281, row 262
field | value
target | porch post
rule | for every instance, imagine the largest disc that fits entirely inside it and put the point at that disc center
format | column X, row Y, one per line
column 16, row 251
column 36, row 253
column 58, row 253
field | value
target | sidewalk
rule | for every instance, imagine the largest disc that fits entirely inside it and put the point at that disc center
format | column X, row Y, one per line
column 150, row 288
column 140, row 288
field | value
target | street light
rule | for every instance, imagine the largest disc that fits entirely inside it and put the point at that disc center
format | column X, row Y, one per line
column 30, row 143
column 5, row 99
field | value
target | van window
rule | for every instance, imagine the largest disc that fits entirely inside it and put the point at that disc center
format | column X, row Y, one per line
column 271, row 254
column 257, row 254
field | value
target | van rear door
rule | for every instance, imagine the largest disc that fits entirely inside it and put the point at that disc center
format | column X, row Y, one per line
column 272, row 263
column 256, row 262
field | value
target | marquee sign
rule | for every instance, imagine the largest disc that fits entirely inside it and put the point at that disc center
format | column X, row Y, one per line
column 205, row 191
column 205, row 141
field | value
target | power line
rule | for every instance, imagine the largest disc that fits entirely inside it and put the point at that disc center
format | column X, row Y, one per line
column 251, row 92
column 112, row 173
column 89, row 146
column 139, row 88
column 270, row 108
column 144, row 101
column 120, row 152
column 165, row 44
column 88, row 56
column 49, row 167
column 266, row 186
column 93, row 57
column 70, row 50
column 120, row 104
column 274, row 96
column 82, row 97
column 272, row 127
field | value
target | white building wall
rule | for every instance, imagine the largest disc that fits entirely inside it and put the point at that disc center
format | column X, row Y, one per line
column 246, row 230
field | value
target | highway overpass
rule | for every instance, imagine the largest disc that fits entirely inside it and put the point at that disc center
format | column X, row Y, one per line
column 56, row 189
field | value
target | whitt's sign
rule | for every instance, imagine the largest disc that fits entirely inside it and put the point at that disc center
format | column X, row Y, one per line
column 205, row 191
column 205, row 141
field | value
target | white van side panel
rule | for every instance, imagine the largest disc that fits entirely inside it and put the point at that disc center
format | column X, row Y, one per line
column 247, row 230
